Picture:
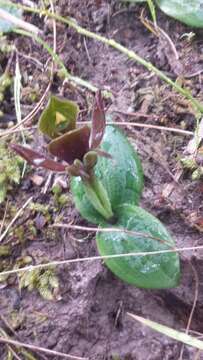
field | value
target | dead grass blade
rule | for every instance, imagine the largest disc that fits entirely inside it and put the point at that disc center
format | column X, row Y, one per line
column 19, row 212
column 96, row 258
column 172, row 333
column 116, row 230
column 40, row 349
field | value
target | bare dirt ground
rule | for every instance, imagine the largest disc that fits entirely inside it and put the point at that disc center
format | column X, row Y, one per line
column 90, row 318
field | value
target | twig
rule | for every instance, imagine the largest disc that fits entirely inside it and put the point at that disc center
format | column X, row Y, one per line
column 136, row 114
column 48, row 182
column 9, row 347
column 96, row 258
column 193, row 306
column 15, row 218
column 41, row 349
column 13, row 332
column 157, row 30
column 17, row 93
column 148, row 126
column 87, row 52
column 14, row 131
column 107, row 230
column 170, row 42
column 29, row 116
column 16, row 356
column 4, row 217
column 157, row 127
column 129, row 53
column 119, row 123
column 197, row 355
column 46, row 186
column 75, row 79
column 5, row 15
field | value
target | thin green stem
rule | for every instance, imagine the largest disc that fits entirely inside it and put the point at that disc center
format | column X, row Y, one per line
column 130, row 53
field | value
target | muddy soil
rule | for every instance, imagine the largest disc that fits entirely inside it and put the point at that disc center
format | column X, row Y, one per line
column 90, row 318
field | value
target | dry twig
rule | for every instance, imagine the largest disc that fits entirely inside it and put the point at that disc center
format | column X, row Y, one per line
column 40, row 349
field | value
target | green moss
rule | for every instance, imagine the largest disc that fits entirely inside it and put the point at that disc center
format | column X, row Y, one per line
column 44, row 281
column 59, row 198
column 39, row 208
column 10, row 170
column 5, row 83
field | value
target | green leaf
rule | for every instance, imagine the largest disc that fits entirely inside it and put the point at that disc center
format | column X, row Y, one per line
column 152, row 10
column 58, row 117
column 7, row 26
column 174, row 334
column 121, row 176
column 189, row 12
column 157, row 271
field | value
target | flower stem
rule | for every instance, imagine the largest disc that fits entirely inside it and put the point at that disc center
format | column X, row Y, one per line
column 98, row 197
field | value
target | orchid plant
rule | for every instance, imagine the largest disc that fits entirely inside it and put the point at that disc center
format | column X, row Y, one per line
column 77, row 147
column 106, row 183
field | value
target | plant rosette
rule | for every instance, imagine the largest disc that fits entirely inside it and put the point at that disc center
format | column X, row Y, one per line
column 106, row 183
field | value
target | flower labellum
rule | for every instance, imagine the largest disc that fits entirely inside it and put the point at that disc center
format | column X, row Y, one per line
column 58, row 122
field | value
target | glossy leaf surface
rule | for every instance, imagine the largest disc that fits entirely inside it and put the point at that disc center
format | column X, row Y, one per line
column 72, row 145
column 37, row 159
column 6, row 26
column 58, row 117
column 189, row 12
column 121, row 176
column 152, row 271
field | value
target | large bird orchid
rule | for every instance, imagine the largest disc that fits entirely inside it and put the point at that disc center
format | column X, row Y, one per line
column 78, row 148
column 107, row 192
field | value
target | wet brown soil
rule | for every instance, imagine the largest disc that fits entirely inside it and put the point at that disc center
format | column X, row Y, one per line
column 90, row 320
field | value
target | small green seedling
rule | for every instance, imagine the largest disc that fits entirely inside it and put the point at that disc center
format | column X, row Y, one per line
column 106, row 183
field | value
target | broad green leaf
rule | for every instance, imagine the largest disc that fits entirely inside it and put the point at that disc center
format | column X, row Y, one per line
column 58, row 117
column 6, row 26
column 172, row 333
column 189, row 12
column 121, row 176
column 157, row 271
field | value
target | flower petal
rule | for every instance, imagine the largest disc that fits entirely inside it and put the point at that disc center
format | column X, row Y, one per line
column 98, row 122
column 72, row 145
column 37, row 159
column 58, row 117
